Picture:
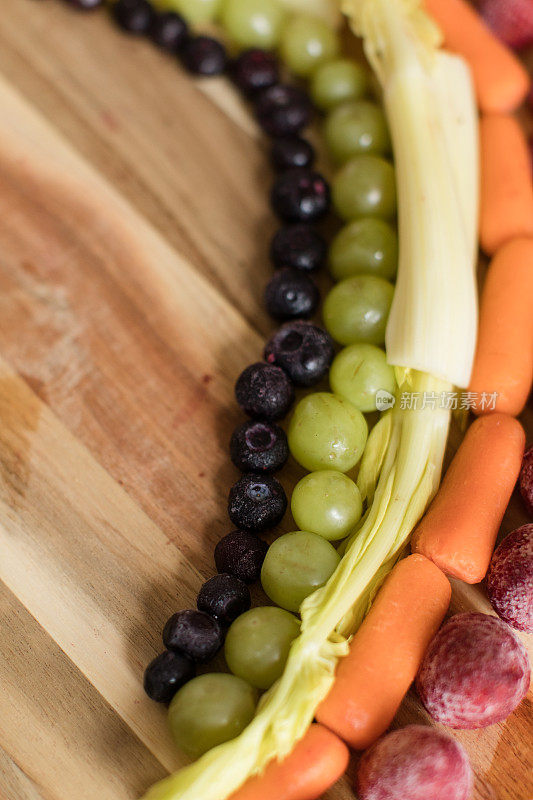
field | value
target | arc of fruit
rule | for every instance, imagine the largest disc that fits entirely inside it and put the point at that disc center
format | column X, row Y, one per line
column 403, row 459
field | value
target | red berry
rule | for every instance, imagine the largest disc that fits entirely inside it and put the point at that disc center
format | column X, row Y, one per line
column 415, row 763
column 510, row 579
column 511, row 20
column 526, row 480
column 475, row 672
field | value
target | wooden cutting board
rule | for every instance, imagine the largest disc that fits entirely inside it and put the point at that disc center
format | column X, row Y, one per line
column 134, row 223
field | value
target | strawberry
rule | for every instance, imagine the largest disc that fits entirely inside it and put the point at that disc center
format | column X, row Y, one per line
column 511, row 20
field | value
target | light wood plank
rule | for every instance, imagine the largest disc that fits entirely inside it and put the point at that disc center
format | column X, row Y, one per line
column 54, row 722
column 153, row 133
column 87, row 563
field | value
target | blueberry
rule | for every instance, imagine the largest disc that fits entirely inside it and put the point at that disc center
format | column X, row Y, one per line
column 133, row 16
column 169, row 31
column 259, row 447
column 263, row 390
column 203, row 55
column 85, row 5
column 287, row 152
column 224, row 597
column 166, row 674
column 300, row 195
column 303, row 350
column 254, row 70
column 291, row 294
column 298, row 246
column 194, row 634
column 283, row 110
column 241, row 554
column 256, row 502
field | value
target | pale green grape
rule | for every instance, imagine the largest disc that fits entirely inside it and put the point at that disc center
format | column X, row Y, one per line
column 365, row 245
column 357, row 309
column 253, row 23
column 258, row 642
column 365, row 187
column 306, row 42
column 358, row 126
column 327, row 503
column 327, row 432
column 337, row 81
column 195, row 11
column 295, row 565
column 358, row 372
column 210, row 709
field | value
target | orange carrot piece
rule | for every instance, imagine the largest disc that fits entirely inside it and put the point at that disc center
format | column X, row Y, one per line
column 504, row 355
column 459, row 530
column 506, row 208
column 317, row 761
column 386, row 652
column 500, row 79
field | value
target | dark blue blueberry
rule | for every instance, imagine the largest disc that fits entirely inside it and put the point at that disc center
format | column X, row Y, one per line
column 263, row 390
column 193, row 633
column 300, row 195
column 254, row 70
column 203, row 55
column 166, row 674
column 303, row 350
column 259, row 446
column 298, row 246
column 169, row 31
column 283, row 110
column 224, row 597
column 134, row 16
column 291, row 294
column 287, row 152
column 256, row 502
column 241, row 554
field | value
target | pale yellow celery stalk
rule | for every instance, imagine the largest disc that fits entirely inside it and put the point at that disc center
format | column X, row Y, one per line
column 429, row 102
column 399, row 475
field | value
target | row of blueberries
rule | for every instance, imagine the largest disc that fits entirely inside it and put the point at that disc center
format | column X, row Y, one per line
column 299, row 353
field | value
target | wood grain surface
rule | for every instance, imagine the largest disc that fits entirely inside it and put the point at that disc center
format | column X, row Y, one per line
column 134, row 224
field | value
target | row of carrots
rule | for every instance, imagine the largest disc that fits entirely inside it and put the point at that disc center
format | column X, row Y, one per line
column 457, row 535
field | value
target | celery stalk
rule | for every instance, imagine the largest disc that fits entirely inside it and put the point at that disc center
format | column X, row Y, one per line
column 402, row 463
column 429, row 103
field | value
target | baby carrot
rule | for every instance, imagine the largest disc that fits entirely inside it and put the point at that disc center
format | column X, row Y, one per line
column 503, row 362
column 317, row 761
column 386, row 652
column 506, row 208
column 459, row 530
column 500, row 79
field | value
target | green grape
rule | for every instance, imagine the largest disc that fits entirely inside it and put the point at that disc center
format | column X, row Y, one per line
column 365, row 245
column 306, row 42
column 357, row 308
column 337, row 81
column 327, row 432
column 258, row 643
column 358, row 126
column 327, row 503
column 253, row 23
column 210, row 709
column 365, row 187
column 358, row 372
column 295, row 565
column 195, row 11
